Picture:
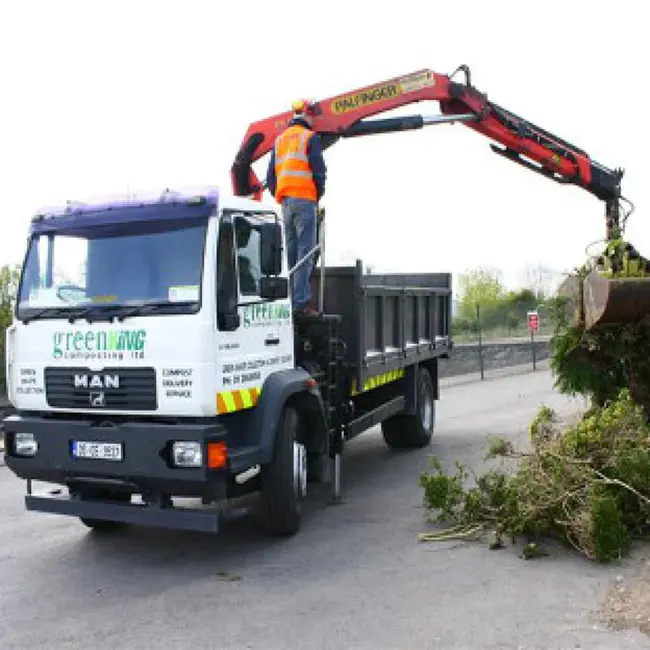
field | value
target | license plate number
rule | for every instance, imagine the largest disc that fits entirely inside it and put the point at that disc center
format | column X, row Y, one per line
column 98, row 450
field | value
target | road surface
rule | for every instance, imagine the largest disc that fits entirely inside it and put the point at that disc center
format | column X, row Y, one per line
column 355, row 577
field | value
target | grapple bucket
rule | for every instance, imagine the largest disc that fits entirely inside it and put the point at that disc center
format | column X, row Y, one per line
column 619, row 301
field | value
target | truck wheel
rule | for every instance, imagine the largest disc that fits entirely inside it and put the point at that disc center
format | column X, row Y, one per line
column 413, row 431
column 284, row 479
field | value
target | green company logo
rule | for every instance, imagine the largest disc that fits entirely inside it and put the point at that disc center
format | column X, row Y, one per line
column 97, row 344
column 262, row 314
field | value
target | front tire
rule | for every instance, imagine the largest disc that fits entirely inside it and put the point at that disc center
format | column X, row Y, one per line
column 284, row 479
column 404, row 431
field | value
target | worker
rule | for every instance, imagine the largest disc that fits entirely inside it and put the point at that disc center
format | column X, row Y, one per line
column 296, row 178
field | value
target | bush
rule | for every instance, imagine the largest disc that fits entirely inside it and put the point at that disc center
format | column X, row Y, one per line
column 584, row 485
column 600, row 364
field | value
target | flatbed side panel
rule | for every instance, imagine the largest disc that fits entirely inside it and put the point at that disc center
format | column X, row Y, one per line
column 389, row 321
column 405, row 321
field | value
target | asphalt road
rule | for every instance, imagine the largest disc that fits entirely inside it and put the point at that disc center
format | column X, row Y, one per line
column 355, row 577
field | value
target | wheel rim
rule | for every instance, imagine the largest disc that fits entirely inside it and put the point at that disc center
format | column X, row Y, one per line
column 300, row 469
column 427, row 409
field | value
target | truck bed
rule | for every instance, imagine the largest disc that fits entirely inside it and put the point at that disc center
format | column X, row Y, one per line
column 388, row 321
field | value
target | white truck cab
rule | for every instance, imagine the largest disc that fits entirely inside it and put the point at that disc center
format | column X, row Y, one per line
column 153, row 308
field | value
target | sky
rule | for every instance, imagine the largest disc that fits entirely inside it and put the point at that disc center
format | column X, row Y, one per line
column 113, row 97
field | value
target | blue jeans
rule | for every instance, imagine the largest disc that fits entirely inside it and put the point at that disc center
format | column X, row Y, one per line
column 300, row 227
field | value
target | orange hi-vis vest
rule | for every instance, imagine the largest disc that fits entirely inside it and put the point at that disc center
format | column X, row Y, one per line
column 293, row 174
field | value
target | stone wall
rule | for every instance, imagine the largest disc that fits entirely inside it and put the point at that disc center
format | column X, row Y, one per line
column 466, row 357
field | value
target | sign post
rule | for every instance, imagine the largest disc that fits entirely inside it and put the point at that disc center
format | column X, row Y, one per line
column 533, row 326
column 480, row 340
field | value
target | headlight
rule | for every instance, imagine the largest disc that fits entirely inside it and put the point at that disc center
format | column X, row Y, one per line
column 187, row 454
column 25, row 444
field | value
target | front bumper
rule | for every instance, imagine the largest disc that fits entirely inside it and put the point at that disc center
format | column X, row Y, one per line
column 100, row 489
column 146, row 466
column 178, row 518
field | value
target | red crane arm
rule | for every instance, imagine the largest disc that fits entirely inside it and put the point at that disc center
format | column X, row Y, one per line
column 521, row 141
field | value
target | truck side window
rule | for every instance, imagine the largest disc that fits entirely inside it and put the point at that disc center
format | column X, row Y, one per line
column 248, row 257
column 226, row 275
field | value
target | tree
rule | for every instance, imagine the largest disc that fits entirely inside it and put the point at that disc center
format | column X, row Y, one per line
column 482, row 286
column 9, row 277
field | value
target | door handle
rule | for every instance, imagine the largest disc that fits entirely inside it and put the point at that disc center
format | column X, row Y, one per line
column 273, row 341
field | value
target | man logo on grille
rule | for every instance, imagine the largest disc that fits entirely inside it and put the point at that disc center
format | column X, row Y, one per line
column 99, row 380
column 97, row 399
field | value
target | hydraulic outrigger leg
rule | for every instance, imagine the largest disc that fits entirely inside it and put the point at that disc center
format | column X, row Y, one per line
column 336, row 449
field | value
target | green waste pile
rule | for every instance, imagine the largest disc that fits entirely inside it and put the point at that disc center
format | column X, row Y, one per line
column 587, row 484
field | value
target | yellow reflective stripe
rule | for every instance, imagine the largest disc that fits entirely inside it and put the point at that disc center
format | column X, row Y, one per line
column 246, row 398
column 237, row 400
column 378, row 380
column 294, row 172
column 291, row 156
column 229, row 399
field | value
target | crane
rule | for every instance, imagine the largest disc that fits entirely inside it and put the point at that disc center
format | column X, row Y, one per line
column 516, row 139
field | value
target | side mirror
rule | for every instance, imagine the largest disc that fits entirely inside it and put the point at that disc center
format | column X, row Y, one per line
column 270, row 249
column 274, row 288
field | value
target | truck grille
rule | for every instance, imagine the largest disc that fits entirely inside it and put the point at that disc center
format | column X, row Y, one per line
column 129, row 389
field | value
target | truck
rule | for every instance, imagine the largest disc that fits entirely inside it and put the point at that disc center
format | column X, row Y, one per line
column 159, row 373
column 154, row 354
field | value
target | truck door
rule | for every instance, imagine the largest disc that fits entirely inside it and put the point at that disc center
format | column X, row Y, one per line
column 262, row 342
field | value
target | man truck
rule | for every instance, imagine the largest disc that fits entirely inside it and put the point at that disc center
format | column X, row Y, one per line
column 158, row 372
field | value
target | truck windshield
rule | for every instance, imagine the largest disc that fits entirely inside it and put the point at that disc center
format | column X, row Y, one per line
column 135, row 271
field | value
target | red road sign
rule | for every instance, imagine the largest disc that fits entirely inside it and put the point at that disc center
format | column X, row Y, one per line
column 533, row 321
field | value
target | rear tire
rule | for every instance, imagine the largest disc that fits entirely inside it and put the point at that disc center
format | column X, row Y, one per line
column 284, row 479
column 404, row 431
